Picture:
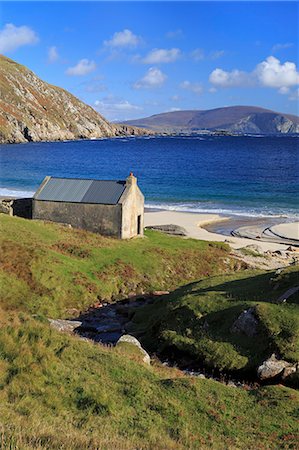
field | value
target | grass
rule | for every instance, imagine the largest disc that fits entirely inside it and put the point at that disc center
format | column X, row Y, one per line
column 58, row 392
column 51, row 270
column 197, row 320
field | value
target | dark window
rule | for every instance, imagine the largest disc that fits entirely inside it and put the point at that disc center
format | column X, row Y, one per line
column 138, row 224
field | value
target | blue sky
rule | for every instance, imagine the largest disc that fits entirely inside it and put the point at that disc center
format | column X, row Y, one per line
column 134, row 59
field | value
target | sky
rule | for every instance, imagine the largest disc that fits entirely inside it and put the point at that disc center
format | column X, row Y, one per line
column 134, row 59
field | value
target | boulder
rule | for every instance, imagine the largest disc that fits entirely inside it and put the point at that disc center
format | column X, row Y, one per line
column 67, row 326
column 175, row 230
column 274, row 367
column 255, row 248
column 246, row 323
column 129, row 339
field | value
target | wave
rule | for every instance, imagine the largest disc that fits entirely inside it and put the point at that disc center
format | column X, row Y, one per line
column 6, row 192
column 197, row 207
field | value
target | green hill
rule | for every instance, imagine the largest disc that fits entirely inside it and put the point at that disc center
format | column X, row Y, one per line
column 58, row 391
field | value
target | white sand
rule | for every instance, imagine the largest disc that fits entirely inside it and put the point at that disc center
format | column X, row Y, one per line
column 287, row 230
column 192, row 223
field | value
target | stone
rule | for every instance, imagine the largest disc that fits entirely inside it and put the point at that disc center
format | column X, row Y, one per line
column 129, row 339
column 159, row 293
column 255, row 248
column 66, row 326
column 274, row 367
column 246, row 323
column 175, row 230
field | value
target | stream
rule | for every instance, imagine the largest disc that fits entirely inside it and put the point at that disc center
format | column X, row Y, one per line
column 105, row 323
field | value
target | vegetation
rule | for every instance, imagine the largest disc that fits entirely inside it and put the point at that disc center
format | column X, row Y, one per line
column 197, row 320
column 58, row 391
column 52, row 270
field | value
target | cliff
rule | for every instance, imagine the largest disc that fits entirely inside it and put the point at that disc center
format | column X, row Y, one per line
column 233, row 119
column 33, row 110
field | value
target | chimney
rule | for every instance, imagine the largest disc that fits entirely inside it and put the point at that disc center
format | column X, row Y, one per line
column 131, row 180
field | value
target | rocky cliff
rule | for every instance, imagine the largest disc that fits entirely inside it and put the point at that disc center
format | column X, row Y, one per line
column 33, row 110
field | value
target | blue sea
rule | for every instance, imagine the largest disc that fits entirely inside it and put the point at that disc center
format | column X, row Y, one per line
column 246, row 176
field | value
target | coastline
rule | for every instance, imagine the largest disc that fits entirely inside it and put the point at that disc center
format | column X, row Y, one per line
column 197, row 226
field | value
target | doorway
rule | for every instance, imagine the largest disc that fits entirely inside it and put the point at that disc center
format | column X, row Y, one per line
column 139, row 224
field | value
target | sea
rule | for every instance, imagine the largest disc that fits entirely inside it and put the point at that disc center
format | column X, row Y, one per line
column 250, row 176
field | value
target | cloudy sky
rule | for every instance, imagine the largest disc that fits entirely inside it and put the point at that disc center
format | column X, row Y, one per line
column 131, row 60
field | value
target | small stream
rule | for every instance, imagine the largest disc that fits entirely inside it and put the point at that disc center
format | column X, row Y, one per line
column 105, row 323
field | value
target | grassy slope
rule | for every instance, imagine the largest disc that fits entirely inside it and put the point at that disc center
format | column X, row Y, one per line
column 50, row 269
column 197, row 319
column 59, row 392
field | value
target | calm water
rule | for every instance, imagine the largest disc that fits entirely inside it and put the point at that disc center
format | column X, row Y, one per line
column 256, row 176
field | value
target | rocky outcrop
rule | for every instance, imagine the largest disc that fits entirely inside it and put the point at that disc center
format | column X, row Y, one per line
column 65, row 326
column 33, row 110
column 131, row 340
column 174, row 230
column 274, row 367
column 246, row 323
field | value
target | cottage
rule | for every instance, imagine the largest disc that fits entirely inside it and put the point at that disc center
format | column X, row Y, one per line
column 111, row 208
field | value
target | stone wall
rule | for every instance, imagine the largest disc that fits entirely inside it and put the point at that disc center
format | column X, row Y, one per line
column 21, row 207
column 103, row 219
column 132, row 206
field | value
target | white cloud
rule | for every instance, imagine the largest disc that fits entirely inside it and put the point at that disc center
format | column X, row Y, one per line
column 83, row 67
column 113, row 107
column 284, row 90
column 121, row 105
column 122, row 39
column 174, row 109
column 12, row 37
column 221, row 78
column 217, row 54
column 162, row 55
column 175, row 98
column 269, row 73
column 52, row 54
column 278, row 47
column 198, row 54
column 193, row 87
column 272, row 73
column 153, row 78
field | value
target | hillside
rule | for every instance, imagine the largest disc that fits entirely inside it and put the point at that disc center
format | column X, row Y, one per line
column 235, row 119
column 58, row 391
column 33, row 110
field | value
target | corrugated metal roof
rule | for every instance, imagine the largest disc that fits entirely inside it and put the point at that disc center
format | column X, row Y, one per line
column 81, row 191
column 102, row 191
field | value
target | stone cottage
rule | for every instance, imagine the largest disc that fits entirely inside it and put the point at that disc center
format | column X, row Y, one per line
column 111, row 208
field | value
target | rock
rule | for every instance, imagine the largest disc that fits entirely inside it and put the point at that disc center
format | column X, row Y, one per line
column 292, row 249
column 175, row 230
column 129, row 339
column 66, row 326
column 25, row 117
column 158, row 293
column 255, row 248
column 274, row 367
column 246, row 323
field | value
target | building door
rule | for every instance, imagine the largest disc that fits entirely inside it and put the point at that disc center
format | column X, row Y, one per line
column 138, row 224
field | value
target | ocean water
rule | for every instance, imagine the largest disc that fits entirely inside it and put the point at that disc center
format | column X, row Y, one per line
column 249, row 176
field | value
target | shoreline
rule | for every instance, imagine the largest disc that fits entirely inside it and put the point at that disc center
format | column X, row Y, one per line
column 200, row 226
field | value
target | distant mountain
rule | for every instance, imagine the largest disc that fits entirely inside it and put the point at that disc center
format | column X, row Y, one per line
column 33, row 110
column 234, row 119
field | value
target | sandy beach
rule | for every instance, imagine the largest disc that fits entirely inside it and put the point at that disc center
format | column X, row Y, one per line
column 193, row 224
